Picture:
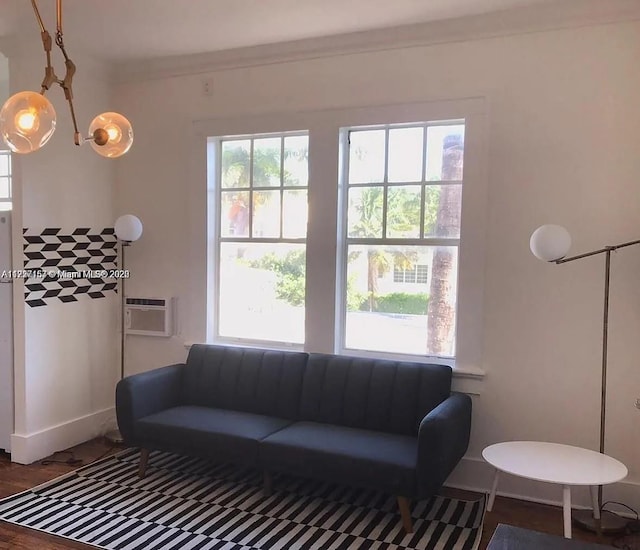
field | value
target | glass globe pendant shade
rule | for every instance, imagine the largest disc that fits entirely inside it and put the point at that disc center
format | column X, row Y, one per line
column 111, row 135
column 27, row 122
column 550, row 242
column 128, row 228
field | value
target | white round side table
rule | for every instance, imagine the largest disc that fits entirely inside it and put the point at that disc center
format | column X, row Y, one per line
column 554, row 463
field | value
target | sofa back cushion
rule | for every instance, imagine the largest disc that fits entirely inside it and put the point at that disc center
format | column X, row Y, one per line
column 244, row 379
column 372, row 394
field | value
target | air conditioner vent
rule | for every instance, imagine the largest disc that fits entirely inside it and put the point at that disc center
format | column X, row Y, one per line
column 147, row 301
column 148, row 316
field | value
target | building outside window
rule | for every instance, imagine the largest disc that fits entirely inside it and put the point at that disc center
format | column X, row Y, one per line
column 419, row 273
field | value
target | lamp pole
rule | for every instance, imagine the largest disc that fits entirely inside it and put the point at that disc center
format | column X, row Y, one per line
column 603, row 523
column 114, row 436
column 123, row 244
column 607, row 250
column 127, row 228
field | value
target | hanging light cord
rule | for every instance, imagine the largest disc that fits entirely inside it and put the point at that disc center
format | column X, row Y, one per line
column 50, row 77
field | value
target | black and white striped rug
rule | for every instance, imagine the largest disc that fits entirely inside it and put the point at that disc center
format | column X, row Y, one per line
column 187, row 503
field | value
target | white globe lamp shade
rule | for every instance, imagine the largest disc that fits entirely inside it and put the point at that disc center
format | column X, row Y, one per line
column 550, row 242
column 128, row 228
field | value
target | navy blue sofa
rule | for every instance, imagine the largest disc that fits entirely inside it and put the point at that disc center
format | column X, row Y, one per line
column 386, row 425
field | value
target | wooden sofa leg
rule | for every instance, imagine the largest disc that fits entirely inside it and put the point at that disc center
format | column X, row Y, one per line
column 144, row 459
column 267, row 487
column 405, row 513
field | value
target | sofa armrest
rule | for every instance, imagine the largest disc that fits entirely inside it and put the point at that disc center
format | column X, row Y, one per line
column 143, row 394
column 443, row 439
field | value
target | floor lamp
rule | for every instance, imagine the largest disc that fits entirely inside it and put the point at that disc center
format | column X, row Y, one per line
column 551, row 244
column 128, row 229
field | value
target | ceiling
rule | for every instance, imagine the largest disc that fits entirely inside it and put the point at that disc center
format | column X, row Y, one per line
column 127, row 30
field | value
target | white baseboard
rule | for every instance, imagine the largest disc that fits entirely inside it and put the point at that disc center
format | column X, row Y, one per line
column 474, row 474
column 28, row 448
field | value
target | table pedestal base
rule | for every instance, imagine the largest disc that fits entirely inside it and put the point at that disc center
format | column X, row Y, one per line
column 610, row 523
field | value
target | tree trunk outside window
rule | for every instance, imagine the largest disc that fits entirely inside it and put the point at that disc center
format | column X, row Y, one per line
column 442, row 300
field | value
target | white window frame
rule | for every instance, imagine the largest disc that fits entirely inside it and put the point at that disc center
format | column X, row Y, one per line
column 214, row 147
column 323, row 238
column 417, row 241
column 6, row 203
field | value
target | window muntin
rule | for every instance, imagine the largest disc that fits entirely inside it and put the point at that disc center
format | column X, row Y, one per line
column 262, row 224
column 403, row 196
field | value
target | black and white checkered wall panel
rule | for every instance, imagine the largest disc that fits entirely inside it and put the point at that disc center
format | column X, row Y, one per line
column 66, row 266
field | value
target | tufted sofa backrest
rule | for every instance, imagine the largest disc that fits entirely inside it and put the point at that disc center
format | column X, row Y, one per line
column 372, row 394
column 244, row 379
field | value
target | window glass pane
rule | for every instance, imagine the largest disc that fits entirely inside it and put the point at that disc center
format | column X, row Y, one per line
column 296, row 160
column 405, row 154
column 266, row 214
column 403, row 211
column 294, row 214
column 234, row 214
column 5, row 190
column 445, row 152
column 410, row 318
column 5, row 206
column 422, row 274
column 365, row 211
column 4, row 164
column 266, row 162
column 235, row 163
column 366, row 156
column 442, row 211
column 262, row 291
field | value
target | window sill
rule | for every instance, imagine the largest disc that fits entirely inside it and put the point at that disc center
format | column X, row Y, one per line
column 470, row 372
column 466, row 379
column 250, row 344
column 473, row 373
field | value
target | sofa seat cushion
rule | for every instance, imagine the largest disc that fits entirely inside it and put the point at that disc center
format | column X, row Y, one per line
column 222, row 434
column 346, row 455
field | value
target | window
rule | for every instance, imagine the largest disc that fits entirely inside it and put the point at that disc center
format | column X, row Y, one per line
column 5, row 180
column 402, row 196
column 261, row 198
column 415, row 274
column 391, row 262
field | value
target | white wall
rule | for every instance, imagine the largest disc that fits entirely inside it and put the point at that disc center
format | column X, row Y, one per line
column 563, row 117
column 4, row 79
column 66, row 362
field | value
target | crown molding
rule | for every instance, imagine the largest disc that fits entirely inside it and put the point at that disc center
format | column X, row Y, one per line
column 538, row 18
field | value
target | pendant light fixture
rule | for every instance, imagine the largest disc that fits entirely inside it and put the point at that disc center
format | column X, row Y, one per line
column 28, row 119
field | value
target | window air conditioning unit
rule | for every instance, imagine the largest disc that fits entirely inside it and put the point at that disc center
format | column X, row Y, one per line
column 148, row 316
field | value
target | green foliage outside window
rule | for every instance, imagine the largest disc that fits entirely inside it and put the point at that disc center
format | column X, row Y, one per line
column 290, row 272
column 402, row 303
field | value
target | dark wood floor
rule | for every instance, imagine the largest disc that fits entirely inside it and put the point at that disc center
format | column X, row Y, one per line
column 15, row 478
